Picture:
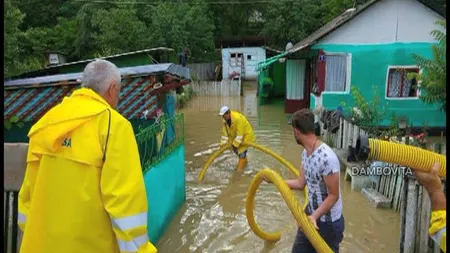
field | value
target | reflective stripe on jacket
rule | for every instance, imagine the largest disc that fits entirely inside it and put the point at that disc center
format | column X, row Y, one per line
column 239, row 132
column 83, row 189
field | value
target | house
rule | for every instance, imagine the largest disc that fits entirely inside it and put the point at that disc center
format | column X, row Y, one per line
column 146, row 101
column 241, row 62
column 371, row 45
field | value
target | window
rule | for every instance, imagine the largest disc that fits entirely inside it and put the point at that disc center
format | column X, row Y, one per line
column 399, row 85
column 337, row 72
column 236, row 59
column 249, row 57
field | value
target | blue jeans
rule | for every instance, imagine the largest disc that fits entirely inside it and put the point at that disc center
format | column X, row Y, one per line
column 331, row 232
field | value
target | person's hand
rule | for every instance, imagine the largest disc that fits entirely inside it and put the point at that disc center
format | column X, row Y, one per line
column 313, row 221
column 430, row 181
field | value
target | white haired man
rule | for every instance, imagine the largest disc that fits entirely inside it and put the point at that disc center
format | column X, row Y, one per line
column 83, row 189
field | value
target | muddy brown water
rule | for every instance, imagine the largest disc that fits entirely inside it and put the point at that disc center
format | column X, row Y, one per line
column 213, row 217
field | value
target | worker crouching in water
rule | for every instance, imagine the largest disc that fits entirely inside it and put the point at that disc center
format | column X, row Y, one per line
column 236, row 130
column 83, row 190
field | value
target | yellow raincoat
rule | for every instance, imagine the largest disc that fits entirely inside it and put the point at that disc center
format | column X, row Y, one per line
column 240, row 131
column 438, row 228
column 83, row 190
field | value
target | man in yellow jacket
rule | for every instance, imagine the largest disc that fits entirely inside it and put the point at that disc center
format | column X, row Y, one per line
column 236, row 130
column 83, row 189
column 438, row 223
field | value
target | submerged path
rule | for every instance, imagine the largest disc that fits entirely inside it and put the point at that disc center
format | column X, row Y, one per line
column 213, row 217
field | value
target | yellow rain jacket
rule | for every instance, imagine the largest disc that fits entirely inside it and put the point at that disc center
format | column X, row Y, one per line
column 438, row 229
column 83, row 190
column 239, row 132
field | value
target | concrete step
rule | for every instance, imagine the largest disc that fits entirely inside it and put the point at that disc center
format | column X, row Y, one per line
column 377, row 199
column 357, row 182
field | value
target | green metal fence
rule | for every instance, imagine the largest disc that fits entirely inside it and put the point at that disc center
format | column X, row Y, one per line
column 157, row 141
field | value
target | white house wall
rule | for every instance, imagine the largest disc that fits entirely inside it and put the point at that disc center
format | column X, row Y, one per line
column 257, row 54
column 387, row 21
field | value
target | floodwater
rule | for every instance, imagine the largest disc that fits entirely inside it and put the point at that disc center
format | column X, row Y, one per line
column 213, row 216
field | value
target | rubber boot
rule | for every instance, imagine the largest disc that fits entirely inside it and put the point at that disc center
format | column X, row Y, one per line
column 241, row 164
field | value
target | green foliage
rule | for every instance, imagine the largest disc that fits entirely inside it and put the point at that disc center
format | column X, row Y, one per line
column 118, row 30
column 147, row 139
column 291, row 21
column 185, row 96
column 13, row 121
column 434, row 78
column 86, row 29
column 13, row 17
column 368, row 115
column 183, row 25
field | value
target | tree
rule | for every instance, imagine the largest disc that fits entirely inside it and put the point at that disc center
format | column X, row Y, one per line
column 183, row 25
column 13, row 17
column 434, row 78
column 119, row 30
column 291, row 21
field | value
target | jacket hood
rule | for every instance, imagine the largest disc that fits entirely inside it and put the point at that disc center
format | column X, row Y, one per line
column 51, row 130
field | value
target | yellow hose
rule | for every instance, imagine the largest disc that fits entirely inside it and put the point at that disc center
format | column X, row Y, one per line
column 409, row 156
column 253, row 225
column 261, row 148
column 256, row 146
column 311, row 233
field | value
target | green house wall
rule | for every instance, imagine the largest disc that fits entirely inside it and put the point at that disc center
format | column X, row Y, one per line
column 369, row 67
column 278, row 74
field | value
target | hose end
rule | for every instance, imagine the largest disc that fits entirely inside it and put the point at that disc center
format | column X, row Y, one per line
column 362, row 148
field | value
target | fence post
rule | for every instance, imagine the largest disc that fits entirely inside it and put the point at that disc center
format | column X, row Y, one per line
column 345, row 135
column 341, row 132
column 424, row 221
column 355, row 135
column 403, row 193
column 411, row 217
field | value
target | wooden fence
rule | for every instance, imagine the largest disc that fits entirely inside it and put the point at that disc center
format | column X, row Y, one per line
column 219, row 88
column 405, row 194
column 203, row 71
column 14, row 165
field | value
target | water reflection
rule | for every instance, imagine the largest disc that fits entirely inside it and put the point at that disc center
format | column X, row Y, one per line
column 213, row 217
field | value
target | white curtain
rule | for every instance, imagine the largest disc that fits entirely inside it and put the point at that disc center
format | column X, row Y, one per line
column 295, row 79
column 336, row 72
column 395, row 83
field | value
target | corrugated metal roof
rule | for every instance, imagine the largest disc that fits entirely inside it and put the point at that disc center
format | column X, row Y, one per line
column 30, row 104
column 169, row 68
column 113, row 56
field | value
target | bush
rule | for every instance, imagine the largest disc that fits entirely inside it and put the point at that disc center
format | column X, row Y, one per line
column 184, row 96
column 369, row 115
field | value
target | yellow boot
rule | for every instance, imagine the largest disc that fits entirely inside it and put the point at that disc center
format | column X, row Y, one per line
column 241, row 164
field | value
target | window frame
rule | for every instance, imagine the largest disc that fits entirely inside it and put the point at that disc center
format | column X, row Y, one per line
column 386, row 86
column 348, row 74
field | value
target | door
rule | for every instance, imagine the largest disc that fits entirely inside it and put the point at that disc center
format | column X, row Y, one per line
column 297, row 92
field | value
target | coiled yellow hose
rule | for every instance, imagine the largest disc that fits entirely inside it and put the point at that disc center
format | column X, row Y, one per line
column 290, row 198
column 409, row 156
column 311, row 233
column 256, row 146
column 261, row 148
